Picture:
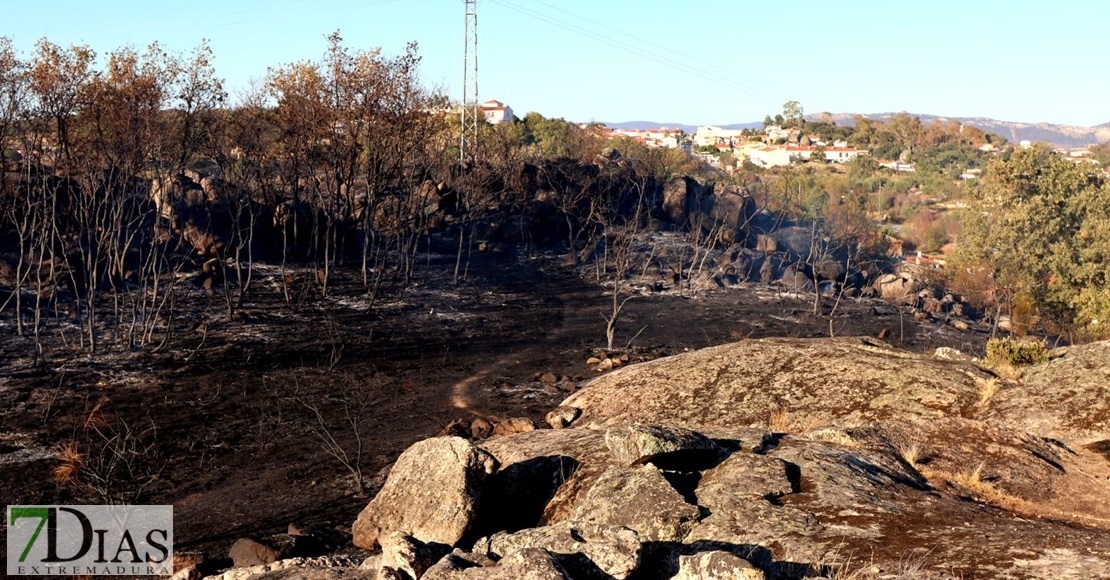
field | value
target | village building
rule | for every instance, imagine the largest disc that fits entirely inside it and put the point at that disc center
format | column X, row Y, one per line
column 496, row 112
column 782, row 155
column 710, row 136
column 660, row 137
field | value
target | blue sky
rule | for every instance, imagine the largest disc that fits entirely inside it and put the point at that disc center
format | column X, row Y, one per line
column 694, row 61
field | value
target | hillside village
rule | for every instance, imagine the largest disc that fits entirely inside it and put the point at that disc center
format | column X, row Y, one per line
column 776, row 146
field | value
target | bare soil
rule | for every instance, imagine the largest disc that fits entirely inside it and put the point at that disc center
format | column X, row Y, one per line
column 233, row 450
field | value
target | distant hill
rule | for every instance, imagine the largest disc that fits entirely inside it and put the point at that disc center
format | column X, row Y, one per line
column 1056, row 135
column 641, row 125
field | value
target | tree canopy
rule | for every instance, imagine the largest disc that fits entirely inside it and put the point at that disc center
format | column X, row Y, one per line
column 1041, row 225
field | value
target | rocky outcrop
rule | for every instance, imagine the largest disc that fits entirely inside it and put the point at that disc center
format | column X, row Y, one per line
column 542, row 474
column 582, row 548
column 716, row 566
column 794, row 242
column 1066, row 398
column 680, row 196
column 795, row 279
column 561, row 417
column 525, row 564
column 720, row 208
column 729, row 209
column 896, row 287
column 639, row 498
column 639, row 444
column 408, row 555
column 431, row 494
column 247, row 552
column 785, row 459
column 455, row 564
column 846, row 381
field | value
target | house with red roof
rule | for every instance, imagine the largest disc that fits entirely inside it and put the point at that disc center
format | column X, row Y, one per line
column 496, row 112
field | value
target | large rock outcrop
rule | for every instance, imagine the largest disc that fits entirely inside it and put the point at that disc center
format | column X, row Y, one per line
column 1066, row 398
column 639, row 444
column 846, row 381
column 788, row 459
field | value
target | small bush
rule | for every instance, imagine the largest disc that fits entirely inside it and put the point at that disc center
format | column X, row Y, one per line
column 1016, row 352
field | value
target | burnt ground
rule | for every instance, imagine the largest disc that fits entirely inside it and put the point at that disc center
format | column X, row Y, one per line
column 232, row 449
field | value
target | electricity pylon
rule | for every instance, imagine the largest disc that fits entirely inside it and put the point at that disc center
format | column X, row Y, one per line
column 471, row 108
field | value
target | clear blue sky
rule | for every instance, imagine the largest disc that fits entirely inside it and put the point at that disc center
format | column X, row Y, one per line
column 691, row 61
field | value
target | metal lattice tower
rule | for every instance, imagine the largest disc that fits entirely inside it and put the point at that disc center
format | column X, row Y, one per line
column 471, row 108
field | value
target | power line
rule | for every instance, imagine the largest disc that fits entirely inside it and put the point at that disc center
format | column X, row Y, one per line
column 633, row 37
column 639, row 51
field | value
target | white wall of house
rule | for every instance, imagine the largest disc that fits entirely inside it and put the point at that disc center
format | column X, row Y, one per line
column 709, row 135
column 842, row 154
column 779, row 156
column 769, row 156
column 497, row 112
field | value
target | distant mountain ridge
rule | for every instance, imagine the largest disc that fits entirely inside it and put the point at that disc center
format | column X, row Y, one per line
column 1057, row 135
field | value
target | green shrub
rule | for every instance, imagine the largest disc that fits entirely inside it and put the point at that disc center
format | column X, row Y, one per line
column 1018, row 353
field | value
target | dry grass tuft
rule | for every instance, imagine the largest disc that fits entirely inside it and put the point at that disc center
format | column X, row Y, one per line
column 833, row 435
column 834, row 566
column 914, row 566
column 845, row 572
column 850, row 569
column 988, row 388
column 70, row 462
column 779, row 421
column 973, row 479
column 95, row 418
column 910, row 452
column 1007, row 371
column 973, row 484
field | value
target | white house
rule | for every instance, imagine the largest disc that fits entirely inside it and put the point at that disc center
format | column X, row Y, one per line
column 709, row 136
column 497, row 112
column 661, row 137
column 841, row 154
column 778, row 156
column 769, row 156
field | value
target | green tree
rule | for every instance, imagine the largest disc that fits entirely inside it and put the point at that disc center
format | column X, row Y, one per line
column 904, row 130
column 560, row 138
column 1101, row 153
column 865, row 132
column 1041, row 224
column 793, row 112
column 818, row 155
column 862, row 167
